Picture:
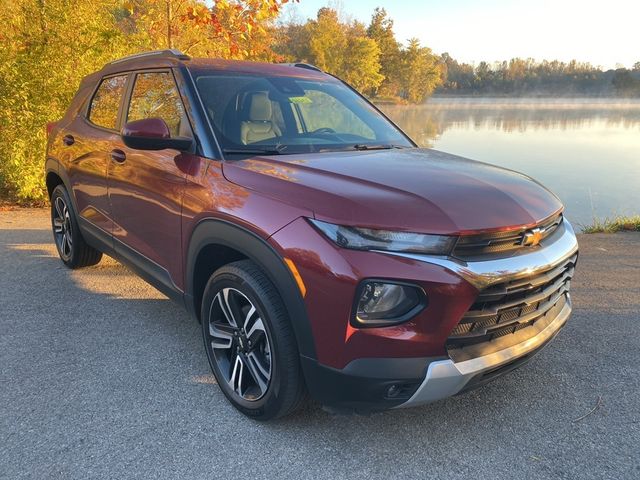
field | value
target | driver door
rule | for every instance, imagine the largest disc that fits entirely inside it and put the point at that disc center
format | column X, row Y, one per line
column 146, row 187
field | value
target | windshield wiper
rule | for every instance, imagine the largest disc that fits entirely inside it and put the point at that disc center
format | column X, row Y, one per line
column 381, row 146
column 252, row 151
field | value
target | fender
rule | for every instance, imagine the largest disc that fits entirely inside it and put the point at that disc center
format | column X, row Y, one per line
column 214, row 231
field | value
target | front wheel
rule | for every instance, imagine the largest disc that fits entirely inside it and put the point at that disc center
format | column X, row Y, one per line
column 249, row 342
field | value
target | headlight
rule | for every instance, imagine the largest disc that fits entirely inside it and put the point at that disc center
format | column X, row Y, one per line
column 369, row 239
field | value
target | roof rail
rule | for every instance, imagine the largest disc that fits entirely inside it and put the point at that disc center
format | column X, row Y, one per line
column 308, row 66
column 172, row 53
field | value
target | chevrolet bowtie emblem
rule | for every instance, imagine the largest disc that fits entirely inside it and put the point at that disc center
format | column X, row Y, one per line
column 532, row 237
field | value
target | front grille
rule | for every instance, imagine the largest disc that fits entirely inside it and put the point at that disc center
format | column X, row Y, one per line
column 474, row 246
column 506, row 308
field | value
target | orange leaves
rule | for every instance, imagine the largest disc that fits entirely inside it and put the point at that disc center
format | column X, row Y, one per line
column 198, row 14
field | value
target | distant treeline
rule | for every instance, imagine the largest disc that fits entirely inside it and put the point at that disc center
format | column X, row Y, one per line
column 371, row 59
column 528, row 77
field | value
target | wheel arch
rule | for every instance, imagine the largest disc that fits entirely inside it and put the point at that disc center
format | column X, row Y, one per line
column 215, row 243
column 56, row 175
column 52, row 181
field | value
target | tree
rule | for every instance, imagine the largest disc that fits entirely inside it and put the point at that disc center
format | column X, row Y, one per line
column 361, row 65
column 327, row 41
column 228, row 29
column 342, row 49
column 421, row 72
column 381, row 31
column 49, row 45
column 625, row 83
column 47, row 48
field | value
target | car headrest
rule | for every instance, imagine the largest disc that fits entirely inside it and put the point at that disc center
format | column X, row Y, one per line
column 260, row 109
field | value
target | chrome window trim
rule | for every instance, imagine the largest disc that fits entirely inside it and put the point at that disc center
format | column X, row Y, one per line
column 553, row 250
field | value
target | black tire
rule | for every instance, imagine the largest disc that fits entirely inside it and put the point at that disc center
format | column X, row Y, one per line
column 247, row 287
column 73, row 250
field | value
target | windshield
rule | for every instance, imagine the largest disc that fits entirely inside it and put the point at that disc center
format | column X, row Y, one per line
column 281, row 115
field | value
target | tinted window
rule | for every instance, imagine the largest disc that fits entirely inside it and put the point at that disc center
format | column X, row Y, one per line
column 104, row 106
column 291, row 114
column 155, row 96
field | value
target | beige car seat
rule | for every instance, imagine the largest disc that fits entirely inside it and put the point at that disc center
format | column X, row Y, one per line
column 259, row 125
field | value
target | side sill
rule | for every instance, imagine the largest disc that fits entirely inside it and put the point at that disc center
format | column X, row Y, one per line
column 154, row 274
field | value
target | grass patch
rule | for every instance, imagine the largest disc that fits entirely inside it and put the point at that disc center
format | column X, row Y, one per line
column 613, row 225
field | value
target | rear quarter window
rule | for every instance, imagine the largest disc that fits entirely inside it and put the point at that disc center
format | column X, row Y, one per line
column 103, row 110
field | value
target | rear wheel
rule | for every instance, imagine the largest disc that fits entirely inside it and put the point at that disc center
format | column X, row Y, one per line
column 73, row 250
column 249, row 342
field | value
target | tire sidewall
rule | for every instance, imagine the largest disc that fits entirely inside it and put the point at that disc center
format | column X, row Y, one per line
column 61, row 191
column 268, row 405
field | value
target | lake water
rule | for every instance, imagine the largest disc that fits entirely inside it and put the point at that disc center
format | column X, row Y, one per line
column 587, row 151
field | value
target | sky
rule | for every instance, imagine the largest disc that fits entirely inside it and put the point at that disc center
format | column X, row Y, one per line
column 605, row 33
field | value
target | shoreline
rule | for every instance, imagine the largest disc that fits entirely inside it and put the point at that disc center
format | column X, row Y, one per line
column 518, row 102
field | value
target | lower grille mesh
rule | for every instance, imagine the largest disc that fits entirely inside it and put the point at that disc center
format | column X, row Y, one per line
column 506, row 308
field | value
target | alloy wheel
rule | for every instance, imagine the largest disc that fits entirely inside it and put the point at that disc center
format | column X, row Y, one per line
column 240, row 344
column 62, row 228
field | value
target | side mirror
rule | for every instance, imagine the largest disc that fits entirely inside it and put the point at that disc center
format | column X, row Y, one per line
column 152, row 134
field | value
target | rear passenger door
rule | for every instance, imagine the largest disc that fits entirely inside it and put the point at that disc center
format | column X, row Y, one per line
column 146, row 187
column 87, row 142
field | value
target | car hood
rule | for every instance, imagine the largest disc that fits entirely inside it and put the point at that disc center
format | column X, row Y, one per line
column 418, row 190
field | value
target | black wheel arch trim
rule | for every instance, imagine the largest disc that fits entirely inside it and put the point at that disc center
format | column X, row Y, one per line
column 222, row 232
column 53, row 165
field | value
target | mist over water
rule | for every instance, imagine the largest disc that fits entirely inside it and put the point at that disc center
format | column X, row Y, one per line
column 587, row 151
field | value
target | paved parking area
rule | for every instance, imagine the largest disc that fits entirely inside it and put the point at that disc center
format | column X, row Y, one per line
column 103, row 377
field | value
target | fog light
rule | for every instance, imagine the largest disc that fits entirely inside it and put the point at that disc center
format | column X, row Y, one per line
column 383, row 303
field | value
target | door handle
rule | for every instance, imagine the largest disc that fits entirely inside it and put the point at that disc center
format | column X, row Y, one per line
column 68, row 140
column 118, row 155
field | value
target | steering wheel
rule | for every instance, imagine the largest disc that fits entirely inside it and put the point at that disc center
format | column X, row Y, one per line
column 323, row 130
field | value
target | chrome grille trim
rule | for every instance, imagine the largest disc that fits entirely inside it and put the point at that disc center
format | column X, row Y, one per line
column 522, row 263
column 470, row 247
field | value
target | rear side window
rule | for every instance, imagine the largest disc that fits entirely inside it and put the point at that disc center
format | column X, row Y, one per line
column 155, row 96
column 105, row 103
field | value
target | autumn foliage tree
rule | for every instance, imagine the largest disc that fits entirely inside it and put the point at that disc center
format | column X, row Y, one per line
column 340, row 48
column 49, row 45
column 369, row 58
column 381, row 31
column 420, row 72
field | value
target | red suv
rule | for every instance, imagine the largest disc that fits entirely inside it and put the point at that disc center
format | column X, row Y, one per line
column 319, row 247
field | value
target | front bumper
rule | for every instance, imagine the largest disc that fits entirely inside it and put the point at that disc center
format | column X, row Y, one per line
column 446, row 378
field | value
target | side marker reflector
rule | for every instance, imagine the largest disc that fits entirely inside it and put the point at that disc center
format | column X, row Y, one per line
column 296, row 275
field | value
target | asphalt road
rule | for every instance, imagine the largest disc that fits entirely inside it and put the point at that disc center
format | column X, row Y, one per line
column 103, row 377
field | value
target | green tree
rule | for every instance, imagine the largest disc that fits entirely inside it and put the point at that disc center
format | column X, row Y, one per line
column 327, row 41
column 625, row 83
column 338, row 48
column 421, row 72
column 381, row 31
column 361, row 64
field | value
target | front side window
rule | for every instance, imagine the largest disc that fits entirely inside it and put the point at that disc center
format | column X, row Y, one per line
column 103, row 110
column 155, row 95
column 252, row 113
